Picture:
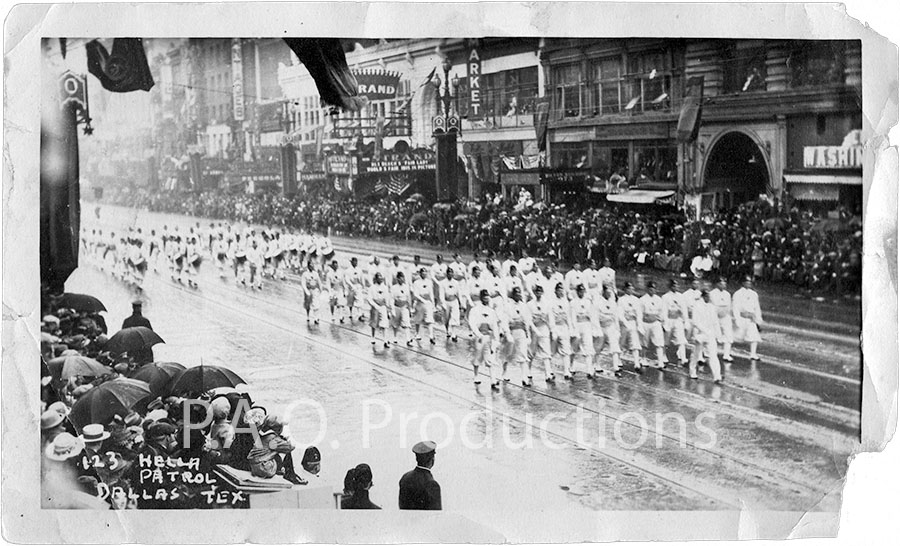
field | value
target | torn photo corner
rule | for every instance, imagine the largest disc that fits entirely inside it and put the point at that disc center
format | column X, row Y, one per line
column 494, row 272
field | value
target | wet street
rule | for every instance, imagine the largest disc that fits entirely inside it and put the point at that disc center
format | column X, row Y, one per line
column 776, row 435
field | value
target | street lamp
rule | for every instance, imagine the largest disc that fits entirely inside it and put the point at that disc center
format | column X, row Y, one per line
column 445, row 128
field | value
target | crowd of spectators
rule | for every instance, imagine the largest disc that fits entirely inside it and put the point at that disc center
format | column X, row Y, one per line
column 781, row 243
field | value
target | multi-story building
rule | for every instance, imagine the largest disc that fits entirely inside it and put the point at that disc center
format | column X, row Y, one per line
column 773, row 121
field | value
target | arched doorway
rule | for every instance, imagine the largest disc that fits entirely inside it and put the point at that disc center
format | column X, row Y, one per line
column 736, row 171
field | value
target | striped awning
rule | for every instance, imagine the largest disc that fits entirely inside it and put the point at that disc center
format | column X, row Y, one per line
column 823, row 178
column 640, row 197
column 815, row 192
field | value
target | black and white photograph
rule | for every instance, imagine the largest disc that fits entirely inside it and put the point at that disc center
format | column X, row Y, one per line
column 548, row 286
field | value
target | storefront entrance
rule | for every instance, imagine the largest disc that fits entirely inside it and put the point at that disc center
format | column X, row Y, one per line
column 736, row 170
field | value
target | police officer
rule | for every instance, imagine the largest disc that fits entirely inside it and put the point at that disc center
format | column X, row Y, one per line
column 418, row 488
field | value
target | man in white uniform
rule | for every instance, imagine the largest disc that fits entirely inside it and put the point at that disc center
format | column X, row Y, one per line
column 520, row 325
column 652, row 313
column 541, row 319
column 607, row 330
column 561, row 329
column 379, row 299
column 632, row 322
column 452, row 292
column 747, row 316
column 337, row 298
column 705, row 325
column 721, row 298
column 485, row 325
column 312, row 292
column 583, row 316
column 675, row 315
column 423, row 298
column 400, row 318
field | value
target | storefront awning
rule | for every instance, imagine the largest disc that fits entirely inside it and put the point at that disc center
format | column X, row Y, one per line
column 815, row 192
column 640, row 197
column 513, row 178
column 823, row 178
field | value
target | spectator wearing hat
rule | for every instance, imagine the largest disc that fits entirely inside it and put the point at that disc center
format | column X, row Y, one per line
column 272, row 455
column 356, row 489
column 52, row 424
column 418, row 488
column 312, row 460
column 136, row 318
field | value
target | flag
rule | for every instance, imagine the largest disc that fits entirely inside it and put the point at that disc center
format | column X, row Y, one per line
column 123, row 70
column 398, row 184
column 380, row 186
column 691, row 109
column 511, row 162
column 325, row 60
column 541, row 118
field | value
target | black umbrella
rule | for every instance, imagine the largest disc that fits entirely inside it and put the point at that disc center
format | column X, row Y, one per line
column 159, row 375
column 64, row 367
column 202, row 378
column 132, row 339
column 84, row 303
column 101, row 403
column 418, row 218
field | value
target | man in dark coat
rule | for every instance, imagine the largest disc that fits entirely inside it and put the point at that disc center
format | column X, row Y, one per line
column 136, row 318
column 418, row 488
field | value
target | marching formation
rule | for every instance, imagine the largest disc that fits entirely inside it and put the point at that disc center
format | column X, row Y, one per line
column 517, row 313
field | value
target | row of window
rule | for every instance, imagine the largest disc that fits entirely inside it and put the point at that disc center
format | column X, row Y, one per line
column 651, row 161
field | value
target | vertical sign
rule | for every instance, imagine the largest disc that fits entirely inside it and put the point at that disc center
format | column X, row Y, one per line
column 473, row 67
column 237, row 79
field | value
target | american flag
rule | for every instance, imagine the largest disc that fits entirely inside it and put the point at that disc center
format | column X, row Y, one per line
column 398, row 184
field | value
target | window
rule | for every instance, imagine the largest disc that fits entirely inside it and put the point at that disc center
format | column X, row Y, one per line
column 570, row 155
column 655, row 162
column 816, row 63
column 609, row 159
column 649, row 82
column 510, row 92
column 567, row 90
column 745, row 68
column 607, row 90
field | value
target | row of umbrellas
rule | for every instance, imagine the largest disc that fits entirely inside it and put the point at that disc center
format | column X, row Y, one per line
column 120, row 395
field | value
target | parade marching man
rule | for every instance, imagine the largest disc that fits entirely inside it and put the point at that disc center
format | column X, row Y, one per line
column 394, row 269
column 255, row 261
column 583, row 315
column 511, row 282
column 312, row 292
column 705, row 327
column 400, row 318
column 607, row 332
column 562, row 329
column 519, row 326
column 676, row 316
column 337, row 299
column 721, row 298
column 652, row 314
column 607, row 275
column 540, row 341
column 193, row 261
column 485, row 326
column 220, row 253
column 475, row 284
column 354, row 288
column 379, row 296
column 747, row 316
column 632, row 322
column 238, row 252
column 452, row 297
column 423, row 296
column 573, row 278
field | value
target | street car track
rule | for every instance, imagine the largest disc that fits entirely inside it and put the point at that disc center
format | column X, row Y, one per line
column 774, row 476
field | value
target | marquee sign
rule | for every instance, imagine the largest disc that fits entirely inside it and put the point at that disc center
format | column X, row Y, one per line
column 339, row 164
column 376, row 84
column 473, row 69
column 849, row 155
column 420, row 160
column 237, row 79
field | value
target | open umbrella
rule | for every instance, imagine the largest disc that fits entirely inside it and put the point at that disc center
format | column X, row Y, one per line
column 83, row 303
column 159, row 375
column 415, row 197
column 132, row 339
column 101, row 403
column 418, row 219
column 202, row 378
column 64, row 367
column 442, row 206
column 772, row 223
column 460, row 217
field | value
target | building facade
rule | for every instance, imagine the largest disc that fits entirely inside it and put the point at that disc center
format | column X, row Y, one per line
column 777, row 118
